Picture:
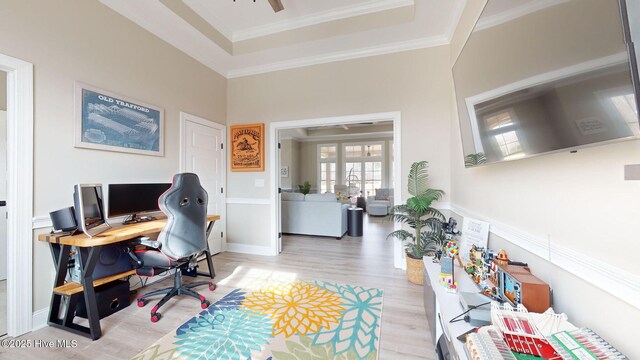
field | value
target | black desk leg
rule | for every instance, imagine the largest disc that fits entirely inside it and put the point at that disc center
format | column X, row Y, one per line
column 207, row 253
column 86, row 268
column 70, row 311
column 60, row 255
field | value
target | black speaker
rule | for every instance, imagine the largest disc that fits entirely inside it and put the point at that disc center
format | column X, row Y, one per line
column 111, row 298
column 64, row 219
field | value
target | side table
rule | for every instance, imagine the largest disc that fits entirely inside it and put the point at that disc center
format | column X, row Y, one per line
column 354, row 221
column 361, row 202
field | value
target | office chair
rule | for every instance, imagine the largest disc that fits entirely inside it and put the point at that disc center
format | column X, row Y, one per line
column 180, row 242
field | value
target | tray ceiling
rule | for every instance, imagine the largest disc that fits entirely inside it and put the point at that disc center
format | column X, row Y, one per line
column 243, row 37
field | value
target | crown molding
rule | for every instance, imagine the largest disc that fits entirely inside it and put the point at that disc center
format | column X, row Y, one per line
column 455, row 19
column 154, row 16
column 383, row 134
column 318, row 18
column 516, row 12
column 209, row 17
column 340, row 56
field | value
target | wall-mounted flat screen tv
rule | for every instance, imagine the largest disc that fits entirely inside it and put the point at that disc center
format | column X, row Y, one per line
column 537, row 77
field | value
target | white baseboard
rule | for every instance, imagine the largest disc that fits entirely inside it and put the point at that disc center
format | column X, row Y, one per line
column 250, row 249
column 618, row 282
column 39, row 319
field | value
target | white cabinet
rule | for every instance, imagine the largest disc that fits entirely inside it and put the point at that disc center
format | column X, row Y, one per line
column 441, row 306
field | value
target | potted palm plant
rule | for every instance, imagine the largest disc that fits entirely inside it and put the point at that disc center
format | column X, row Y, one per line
column 426, row 234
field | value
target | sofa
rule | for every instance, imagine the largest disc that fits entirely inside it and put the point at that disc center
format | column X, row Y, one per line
column 313, row 214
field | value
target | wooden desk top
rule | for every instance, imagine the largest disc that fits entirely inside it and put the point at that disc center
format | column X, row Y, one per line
column 116, row 234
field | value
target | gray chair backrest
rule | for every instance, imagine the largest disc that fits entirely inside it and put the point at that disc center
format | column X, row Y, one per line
column 185, row 204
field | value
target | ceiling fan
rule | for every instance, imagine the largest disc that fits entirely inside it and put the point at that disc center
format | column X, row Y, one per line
column 276, row 5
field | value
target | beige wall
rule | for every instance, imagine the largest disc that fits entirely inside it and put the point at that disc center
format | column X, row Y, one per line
column 412, row 82
column 309, row 160
column 85, row 41
column 578, row 201
column 3, row 90
column 290, row 156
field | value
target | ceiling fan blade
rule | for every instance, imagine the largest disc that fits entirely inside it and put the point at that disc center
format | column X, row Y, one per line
column 276, row 5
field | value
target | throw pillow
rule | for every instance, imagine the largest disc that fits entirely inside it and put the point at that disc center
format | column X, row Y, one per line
column 383, row 194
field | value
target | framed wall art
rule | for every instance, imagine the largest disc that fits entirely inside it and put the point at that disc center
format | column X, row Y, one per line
column 108, row 121
column 247, row 147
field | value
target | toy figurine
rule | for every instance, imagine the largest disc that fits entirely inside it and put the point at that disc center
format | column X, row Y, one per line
column 469, row 268
column 451, row 249
column 450, row 230
column 502, row 258
column 437, row 256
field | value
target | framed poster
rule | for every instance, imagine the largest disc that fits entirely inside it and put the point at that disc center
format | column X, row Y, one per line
column 247, row 147
column 108, row 121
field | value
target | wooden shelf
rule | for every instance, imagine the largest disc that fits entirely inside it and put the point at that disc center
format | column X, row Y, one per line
column 73, row 287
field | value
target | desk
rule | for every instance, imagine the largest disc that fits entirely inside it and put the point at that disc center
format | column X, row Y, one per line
column 442, row 306
column 60, row 245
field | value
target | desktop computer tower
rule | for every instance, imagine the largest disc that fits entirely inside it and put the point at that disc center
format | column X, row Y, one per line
column 110, row 297
column 113, row 260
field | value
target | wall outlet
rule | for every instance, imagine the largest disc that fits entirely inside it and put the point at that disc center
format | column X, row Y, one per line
column 632, row 172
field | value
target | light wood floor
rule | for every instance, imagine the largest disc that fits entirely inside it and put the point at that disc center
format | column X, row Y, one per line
column 365, row 261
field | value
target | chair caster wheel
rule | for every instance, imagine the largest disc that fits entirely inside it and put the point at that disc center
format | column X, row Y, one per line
column 212, row 286
column 205, row 304
column 155, row 317
column 141, row 303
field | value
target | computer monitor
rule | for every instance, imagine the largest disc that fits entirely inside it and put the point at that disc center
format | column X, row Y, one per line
column 89, row 208
column 134, row 199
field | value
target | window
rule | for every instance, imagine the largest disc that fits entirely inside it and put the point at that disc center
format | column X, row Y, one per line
column 327, row 163
column 503, row 129
column 625, row 106
column 364, row 163
column 621, row 110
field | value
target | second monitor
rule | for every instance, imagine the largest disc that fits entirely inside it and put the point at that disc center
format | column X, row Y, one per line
column 132, row 200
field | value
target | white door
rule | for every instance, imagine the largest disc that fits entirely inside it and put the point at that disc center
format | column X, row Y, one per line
column 203, row 154
column 3, row 196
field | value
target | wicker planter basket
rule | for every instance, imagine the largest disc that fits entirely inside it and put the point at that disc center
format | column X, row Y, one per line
column 415, row 270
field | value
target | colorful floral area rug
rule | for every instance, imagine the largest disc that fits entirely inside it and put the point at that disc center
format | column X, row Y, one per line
column 281, row 321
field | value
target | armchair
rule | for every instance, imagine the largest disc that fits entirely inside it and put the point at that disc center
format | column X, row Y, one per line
column 179, row 243
column 380, row 203
column 339, row 188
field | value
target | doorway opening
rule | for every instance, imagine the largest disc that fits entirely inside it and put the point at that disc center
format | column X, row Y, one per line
column 19, row 194
column 352, row 155
column 3, row 203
